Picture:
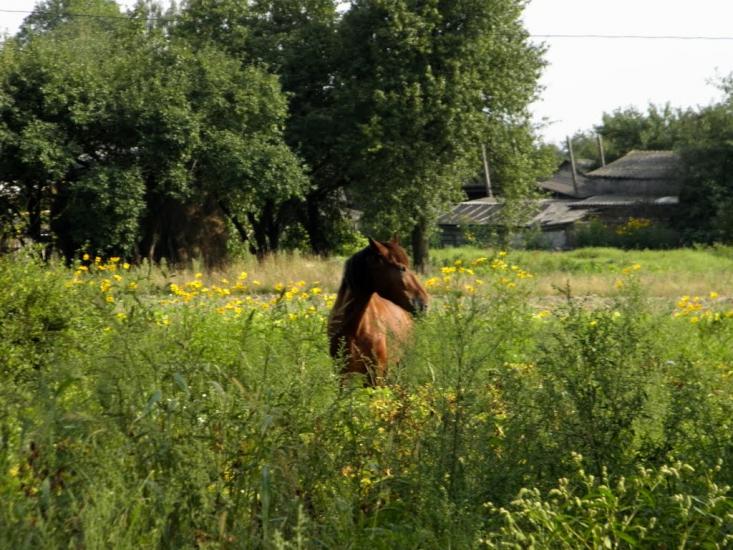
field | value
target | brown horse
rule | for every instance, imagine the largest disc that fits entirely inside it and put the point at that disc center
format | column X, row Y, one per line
column 372, row 316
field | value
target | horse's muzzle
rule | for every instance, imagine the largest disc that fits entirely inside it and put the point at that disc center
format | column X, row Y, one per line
column 419, row 306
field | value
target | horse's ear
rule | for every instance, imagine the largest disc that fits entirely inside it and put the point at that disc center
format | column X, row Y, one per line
column 378, row 247
column 395, row 238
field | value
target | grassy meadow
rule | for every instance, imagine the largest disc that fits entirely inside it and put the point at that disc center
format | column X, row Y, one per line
column 549, row 400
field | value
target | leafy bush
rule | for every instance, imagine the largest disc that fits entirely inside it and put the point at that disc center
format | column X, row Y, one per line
column 635, row 233
column 655, row 508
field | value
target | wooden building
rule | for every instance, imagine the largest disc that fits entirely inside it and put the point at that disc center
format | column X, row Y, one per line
column 641, row 184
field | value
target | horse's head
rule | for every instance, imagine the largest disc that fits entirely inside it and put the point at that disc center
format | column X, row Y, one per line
column 391, row 277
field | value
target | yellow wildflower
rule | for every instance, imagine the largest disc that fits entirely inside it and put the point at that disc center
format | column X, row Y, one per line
column 431, row 282
column 499, row 265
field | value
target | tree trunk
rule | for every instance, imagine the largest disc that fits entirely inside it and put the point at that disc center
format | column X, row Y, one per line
column 236, row 222
column 314, row 225
column 420, row 252
column 34, row 206
column 266, row 231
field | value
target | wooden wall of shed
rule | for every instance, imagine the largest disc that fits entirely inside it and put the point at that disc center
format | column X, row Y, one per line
column 646, row 188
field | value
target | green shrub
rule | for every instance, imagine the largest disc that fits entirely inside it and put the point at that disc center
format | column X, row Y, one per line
column 668, row 507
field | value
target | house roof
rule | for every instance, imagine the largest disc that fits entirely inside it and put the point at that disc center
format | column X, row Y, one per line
column 475, row 212
column 623, row 200
column 557, row 213
column 562, row 181
column 642, row 165
column 549, row 213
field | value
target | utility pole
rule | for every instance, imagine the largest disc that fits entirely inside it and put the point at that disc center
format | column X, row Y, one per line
column 572, row 166
column 486, row 172
column 600, row 150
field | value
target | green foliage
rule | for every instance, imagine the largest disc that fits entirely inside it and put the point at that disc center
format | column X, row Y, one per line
column 596, row 370
column 665, row 507
column 707, row 190
column 635, row 233
column 420, row 79
column 138, row 412
column 142, row 125
column 623, row 130
column 269, row 119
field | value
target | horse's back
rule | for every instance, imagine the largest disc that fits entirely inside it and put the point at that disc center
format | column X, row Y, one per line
column 381, row 334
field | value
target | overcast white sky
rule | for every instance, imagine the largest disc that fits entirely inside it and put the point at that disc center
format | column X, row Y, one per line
column 586, row 77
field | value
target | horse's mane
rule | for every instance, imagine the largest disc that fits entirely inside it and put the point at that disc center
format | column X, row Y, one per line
column 356, row 280
column 356, row 274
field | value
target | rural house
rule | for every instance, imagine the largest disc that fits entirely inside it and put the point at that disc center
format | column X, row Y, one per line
column 641, row 185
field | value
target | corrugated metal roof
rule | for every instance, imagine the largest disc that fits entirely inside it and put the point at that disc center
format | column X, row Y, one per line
column 476, row 212
column 485, row 211
column 642, row 165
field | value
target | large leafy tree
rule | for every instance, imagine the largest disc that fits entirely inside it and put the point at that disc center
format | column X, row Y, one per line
column 296, row 40
column 156, row 137
column 426, row 82
column 706, row 146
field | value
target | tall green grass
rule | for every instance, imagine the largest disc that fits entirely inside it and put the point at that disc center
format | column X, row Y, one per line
column 208, row 414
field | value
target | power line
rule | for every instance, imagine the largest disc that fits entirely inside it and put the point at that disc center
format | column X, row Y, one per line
column 549, row 36
column 634, row 36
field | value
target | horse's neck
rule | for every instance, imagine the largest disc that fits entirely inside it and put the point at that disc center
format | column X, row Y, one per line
column 348, row 310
